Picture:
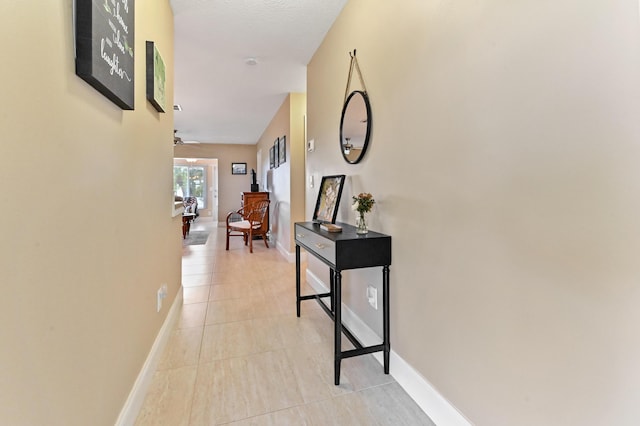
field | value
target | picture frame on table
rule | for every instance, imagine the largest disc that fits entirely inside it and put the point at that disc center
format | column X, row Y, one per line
column 328, row 200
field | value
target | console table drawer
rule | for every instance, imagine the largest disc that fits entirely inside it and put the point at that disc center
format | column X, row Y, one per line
column 321, row 246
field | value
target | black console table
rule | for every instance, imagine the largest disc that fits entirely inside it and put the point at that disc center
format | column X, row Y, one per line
column 341, row 251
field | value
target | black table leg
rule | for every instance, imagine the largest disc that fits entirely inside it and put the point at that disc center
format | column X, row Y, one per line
column 337, row 326
column 385, row 317
column 332, row 290
column 298, row 280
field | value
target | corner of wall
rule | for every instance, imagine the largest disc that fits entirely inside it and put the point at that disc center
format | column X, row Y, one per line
column 134, row 401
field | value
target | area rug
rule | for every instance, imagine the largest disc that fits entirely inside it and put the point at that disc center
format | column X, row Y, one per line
column 196, row 238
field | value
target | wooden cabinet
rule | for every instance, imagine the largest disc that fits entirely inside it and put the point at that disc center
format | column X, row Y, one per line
column 246, row 198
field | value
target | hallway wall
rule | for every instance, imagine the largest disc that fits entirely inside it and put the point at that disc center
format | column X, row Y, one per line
column 504, row 161
column 79, row 268
column 285, row 182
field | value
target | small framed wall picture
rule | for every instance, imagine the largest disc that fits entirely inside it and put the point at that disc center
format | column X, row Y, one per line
column 238, row 168
column 156, row 77
column 272, row 158
column 276, row 153
column 282, row 150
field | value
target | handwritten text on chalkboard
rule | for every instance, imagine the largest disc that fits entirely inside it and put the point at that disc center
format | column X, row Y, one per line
column 105, row 48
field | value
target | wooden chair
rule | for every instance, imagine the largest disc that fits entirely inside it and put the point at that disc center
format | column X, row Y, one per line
column 247, row 223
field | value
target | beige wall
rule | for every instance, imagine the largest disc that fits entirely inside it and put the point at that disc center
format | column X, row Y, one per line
column 296, row 150
column 87, row 233
column 229, row 186
column 286, row 182
column 504, row 160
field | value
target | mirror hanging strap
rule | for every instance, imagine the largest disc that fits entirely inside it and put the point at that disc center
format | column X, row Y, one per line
column 352, row 65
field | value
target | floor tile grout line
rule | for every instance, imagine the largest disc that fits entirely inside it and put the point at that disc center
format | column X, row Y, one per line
column 288, row 335
column 206, row 314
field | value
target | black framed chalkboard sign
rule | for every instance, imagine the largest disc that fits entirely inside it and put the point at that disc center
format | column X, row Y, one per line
column 105, row 40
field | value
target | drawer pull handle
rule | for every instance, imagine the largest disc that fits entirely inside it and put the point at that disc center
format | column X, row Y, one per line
column 320, row 246
column 300, row 235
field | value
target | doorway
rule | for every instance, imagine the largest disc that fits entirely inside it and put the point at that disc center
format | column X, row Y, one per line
column 198, row 177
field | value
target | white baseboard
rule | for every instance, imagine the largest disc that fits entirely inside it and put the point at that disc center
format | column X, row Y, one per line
column 136, row 397
column 291, row 257
column 436, row 406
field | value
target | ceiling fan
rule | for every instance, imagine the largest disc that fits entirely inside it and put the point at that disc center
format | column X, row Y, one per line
column 177, row 140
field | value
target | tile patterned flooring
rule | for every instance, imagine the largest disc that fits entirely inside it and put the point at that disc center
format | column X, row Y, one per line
column 239, row 355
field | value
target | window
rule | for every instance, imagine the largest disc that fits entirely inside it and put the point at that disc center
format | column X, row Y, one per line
column 191, row 181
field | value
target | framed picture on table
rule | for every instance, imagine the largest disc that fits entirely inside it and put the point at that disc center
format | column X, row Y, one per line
column 328, row 200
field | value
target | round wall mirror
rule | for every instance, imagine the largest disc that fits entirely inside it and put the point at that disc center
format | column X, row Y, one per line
column 355, row 127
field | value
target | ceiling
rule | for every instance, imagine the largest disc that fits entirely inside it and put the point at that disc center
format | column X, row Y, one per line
column 223, row 98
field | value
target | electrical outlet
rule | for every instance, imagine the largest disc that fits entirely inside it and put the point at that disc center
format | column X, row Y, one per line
column 163, row 291
column 159, row 300
column 372, row 296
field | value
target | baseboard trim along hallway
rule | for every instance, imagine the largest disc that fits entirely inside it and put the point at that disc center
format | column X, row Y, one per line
column 136, row 397
column 441, row 411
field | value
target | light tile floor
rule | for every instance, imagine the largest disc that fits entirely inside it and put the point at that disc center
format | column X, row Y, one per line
column 240, row 356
